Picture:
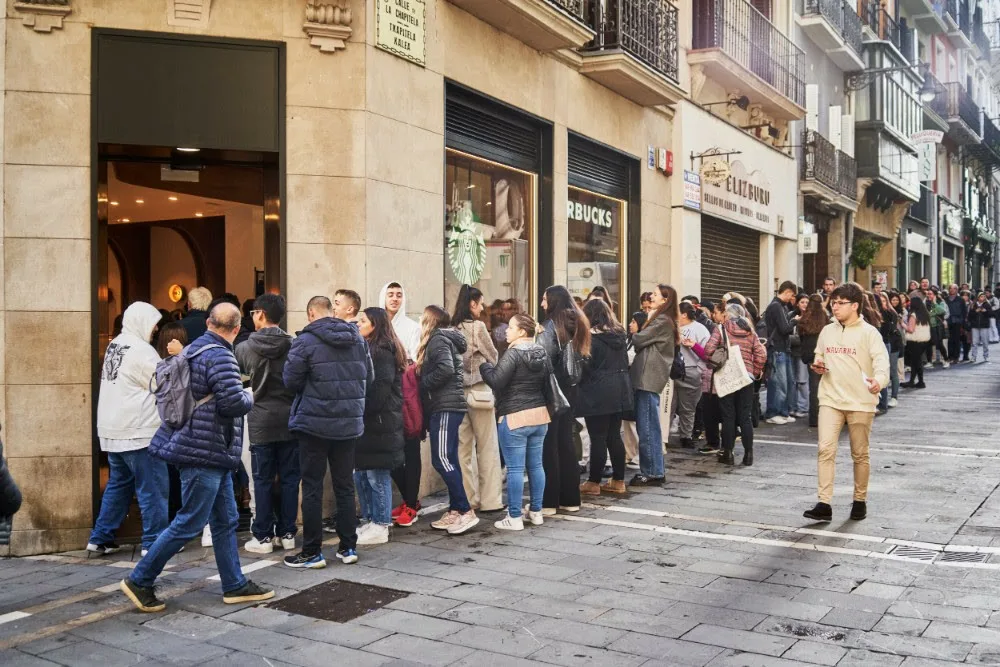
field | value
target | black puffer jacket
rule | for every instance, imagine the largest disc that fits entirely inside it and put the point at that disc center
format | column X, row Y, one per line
column 262, row 357
column 980, row 315
column 518, row 380
column 549, row 340
column 441, row 374
column 606, row 388
column 10, row 499
column 195, row 323
column 381, row 447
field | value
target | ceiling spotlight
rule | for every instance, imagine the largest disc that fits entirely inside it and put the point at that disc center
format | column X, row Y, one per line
column 126, row 220
column 199, row 215
column 140, row 201
column 114, row 203
column 172, row 198
column 183, row 149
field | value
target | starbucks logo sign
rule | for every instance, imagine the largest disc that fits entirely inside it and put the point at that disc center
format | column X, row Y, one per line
column 466, row 246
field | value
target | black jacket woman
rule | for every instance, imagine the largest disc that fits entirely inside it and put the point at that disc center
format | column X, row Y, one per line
column 810, row 324
column 439, row 365
column 603, row 396
column 565, row 325
column 893, row 339
column 518, row 381
column 380, row 449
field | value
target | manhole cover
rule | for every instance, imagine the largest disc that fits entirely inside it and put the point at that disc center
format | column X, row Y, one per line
column 914, row 553
column 963, row 557
column 338, row 601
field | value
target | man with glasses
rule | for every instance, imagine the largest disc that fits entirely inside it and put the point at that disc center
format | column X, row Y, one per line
column 854, row 365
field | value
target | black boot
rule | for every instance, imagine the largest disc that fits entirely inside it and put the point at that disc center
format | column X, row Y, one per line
column 748, row 456
column 726, row 457
column 822, row 512
column 859, row 510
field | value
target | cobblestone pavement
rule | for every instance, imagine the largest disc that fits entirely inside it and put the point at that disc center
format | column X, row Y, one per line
column 717, row 568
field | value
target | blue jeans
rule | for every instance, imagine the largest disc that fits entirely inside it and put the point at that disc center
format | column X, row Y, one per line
column 647, row 425
column 266, row 460
column 206, row 498
column 135, row 471
column 443, row 428
column 893, row 386
column 780, row 386
column 375, row 495
column 522, row 448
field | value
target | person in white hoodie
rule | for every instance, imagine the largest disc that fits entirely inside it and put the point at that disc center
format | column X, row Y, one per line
column 126, row 422
column 393, row 299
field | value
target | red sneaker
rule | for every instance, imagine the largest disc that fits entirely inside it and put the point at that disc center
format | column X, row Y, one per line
column 407, row 517
column 398, row 509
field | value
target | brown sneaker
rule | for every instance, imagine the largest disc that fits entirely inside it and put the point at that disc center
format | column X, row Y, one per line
column 613, row 486
column 590, row 489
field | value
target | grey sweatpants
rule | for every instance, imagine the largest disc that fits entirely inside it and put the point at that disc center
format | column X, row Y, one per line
column 687, row 393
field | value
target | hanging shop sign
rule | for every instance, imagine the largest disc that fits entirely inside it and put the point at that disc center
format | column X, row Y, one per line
column 808, row 244
column 692, row 190
column 743, row 197
column 926, row 142
column 953, row 222
column 400, row 28
column 714, row 172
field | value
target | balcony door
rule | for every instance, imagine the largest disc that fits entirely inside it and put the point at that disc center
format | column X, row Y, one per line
column 763, row 6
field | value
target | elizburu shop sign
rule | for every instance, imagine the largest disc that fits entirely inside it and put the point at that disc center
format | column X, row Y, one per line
column 743, row 197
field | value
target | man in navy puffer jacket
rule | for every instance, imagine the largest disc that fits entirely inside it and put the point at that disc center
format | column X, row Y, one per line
column 207, row 450
column 329, row 369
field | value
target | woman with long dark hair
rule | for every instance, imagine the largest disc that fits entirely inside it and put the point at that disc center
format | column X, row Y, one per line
column 810, row 324
column 380, row 448
column 918, row 335
column 601, row 292
column 439, row 365
column 567, row 330
column 893, row 339
column 603, row 396
column 655, row 346
column 478, row 450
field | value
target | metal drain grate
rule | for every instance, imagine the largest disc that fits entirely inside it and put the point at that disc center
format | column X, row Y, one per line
column 914, row 553
column 963, row 557
column 338, row 601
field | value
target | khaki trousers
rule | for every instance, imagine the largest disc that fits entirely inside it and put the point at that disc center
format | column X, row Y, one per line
column 631, row 439
column 859, row 427
column 479, row 457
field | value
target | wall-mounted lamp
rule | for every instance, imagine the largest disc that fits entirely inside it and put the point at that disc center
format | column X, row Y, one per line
column 861, row 80
column 742, row 102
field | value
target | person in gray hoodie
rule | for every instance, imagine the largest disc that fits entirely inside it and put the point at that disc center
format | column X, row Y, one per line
column 273, row 449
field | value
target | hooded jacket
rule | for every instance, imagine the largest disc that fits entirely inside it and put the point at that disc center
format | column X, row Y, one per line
column 518, row 379
column 441, row 374
column 329, row 370
column 213, row 438
column 606, row 388
column 126, row 409
column 262, row 357
column 381, row 447
column 850, row 353
column 406, row 329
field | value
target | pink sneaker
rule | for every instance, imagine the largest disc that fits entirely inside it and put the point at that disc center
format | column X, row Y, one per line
column 446, row 520
column 463, row 523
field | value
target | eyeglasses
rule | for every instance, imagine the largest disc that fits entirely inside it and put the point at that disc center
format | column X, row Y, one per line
column 257, row 310
column 840, row 303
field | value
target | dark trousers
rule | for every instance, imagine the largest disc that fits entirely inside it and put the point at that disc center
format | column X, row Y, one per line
column 699, row 418
column 407, row 476
column 915, row 360
column 562, row 469
column 737, row 410
column 267, row 460
column 712, row 411
column 314, row 453
column 606, row 438
column 814, row 379
column 954, row 341
column 937, row 341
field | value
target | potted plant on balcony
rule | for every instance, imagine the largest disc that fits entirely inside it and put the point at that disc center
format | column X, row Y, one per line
column 864, row 251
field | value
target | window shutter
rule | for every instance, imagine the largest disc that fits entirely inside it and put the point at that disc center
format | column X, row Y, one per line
column 763, row 6
column 812, row 107
column 847, row 134
column 836, row 128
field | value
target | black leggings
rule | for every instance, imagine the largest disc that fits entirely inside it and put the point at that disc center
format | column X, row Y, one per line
column 737, row 410
column 407, row 476
column 915, row 358
column 606, row 437
column 562, row 469
column 937, row 341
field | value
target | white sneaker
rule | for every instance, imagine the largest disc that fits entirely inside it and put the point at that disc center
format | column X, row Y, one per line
column 446, row 520
column 946, row 364
column 259, row 546
column 463, row 523
column 789, row 419
column 777, row 419
column 536, row 518
column 893, row 402
column 548, row 511
column 509, row 523
column 632, row 464
column 373, row 534
column 928, row 365
column 206, row 536
column 570, row 508
column 288, row 542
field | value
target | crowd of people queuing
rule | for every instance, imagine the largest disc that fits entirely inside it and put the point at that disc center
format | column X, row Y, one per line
column 357, row 390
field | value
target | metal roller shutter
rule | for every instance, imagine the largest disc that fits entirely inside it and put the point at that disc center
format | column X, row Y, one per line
column 598, row 169
column 479, row 126
column 730, row 260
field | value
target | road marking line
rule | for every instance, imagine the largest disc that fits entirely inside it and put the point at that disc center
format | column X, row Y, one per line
column 13, row 616
column 433, row 508
column 110, row 588
column 247, row 569
column 890, row 448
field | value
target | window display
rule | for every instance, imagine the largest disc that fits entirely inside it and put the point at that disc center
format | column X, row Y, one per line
column 596, row 244
column 489, row 232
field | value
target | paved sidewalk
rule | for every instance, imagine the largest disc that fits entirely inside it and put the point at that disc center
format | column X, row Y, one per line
column 717, row 568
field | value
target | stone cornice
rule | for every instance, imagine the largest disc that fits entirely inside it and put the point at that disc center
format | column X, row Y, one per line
column 43, row 15
column 328, row 24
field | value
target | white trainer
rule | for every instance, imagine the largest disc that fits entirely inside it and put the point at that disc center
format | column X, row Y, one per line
column 259, row 546
column 946, row 363
column 893, row 402
column 288, row 542
column 777, row 419
column 374, row 533
column 463, row 523
column 536, row 518
column 206, row 536
column 509, row 523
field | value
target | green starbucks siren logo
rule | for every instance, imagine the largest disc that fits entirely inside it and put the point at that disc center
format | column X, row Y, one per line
column 466, row 247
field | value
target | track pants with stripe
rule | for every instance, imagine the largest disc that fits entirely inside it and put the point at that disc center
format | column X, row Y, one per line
column 444, row 456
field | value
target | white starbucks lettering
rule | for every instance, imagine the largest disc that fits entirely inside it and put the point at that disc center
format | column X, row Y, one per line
column 595, row 215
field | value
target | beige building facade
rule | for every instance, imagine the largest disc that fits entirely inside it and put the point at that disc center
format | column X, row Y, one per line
column 376, row 180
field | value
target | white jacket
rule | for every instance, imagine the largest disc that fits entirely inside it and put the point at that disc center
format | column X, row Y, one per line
column 126, row 410
column 406, row 329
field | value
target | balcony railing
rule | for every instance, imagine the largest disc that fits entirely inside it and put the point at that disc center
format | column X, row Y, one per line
column 959, row 10
column 991, row 138
column 746, row 36
column 646, row 29
column 922, row 209
column 820, row 162
column 841, row 16
column 939, row 105
column 880, row 22
column 979, row 37
column 847, row 175
column 572, row 7
column 960, row 105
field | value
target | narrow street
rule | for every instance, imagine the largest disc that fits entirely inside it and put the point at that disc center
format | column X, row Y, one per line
column 717, row 568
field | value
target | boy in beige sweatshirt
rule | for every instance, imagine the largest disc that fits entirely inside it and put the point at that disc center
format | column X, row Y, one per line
column 854, row 364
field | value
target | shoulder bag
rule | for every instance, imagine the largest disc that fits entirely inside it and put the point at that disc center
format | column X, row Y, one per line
column 718, row 358
column 555, row 399
column 677, row 370
column 572, row 365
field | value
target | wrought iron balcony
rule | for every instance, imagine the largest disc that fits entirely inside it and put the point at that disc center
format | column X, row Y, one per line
column 939, row 105
column 964, row 117
column 634, row 50
column 882, row 25
column 545, row 25
column 979, row 38
column 987, row 152
column 956, row 18
column 820, row 163
column 828, row 174
column 731, row 34
column 835, row 26
column 847, row 175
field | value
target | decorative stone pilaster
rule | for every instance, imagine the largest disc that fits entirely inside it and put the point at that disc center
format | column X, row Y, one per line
column 43, row 15
column 189, row 13
column 328, row 24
